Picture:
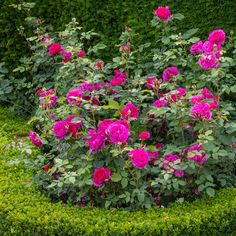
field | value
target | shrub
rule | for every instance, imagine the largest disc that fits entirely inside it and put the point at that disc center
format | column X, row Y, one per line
column 24, row 211
column 129, row 139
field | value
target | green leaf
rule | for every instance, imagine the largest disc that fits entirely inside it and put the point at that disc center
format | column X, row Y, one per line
column 72, row 179
column 188, row 34
column 116, row 177
column 124, row 182
column 107, row 204
column 112, row 105
column 178, row 16
column 210, row 192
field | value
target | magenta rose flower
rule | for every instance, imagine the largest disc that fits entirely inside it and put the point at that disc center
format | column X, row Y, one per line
column 100, row 176
column 81, row 54
column 67, row 55
column 196, row 99
column 118, row 132
column 139, row 158
column 181, row 92
column 209, row 46
column 153, row 156
column 130, row 111
column 169, row 73
column 168, row 161
column 160, row 103
column 217, row 36
column 144, row 136
column 103, row 126
column 35, row 139
column 208, row 60
column 196, row 48
column 55, row 49
column 163, row 13
column 61, row 129
column 118, row 79
column 152, row 83
column 196, row 154
column 75, row 96
column 48, row 99
column 74, row 126
column 96, row 142
column 201, row 111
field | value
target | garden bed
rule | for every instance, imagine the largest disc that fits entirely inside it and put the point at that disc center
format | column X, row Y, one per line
column 25, row 211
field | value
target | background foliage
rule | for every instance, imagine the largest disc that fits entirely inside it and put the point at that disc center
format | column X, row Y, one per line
column 109, row 18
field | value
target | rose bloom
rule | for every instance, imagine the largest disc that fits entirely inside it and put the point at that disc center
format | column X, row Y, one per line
column 153, row 156
column 74, row 126
column 100, row 176
column 96, row 142
column 217, row 36
column 35, row 139
column 118, row 132
column 139, row 158
column 196, row 99
column 208, row 61
column 125, row 49
column 163, row 13
column 66, row 55
column 181, row 92
column 170, row 159
column 99, row 65
column 130, row 111
column 48, row 99
column 200, row 155
column 103, row 126
column 201, row 111
column 209, row 46
column 160, row 103
column 144, row 135
column 46, row 168
column 169, row 73
column 118, row 79
column 74, row 97
column 54, row 49
column 87, row 87
column 152, row 83
column 81, row 54
column 196, row 48
column 61, row 129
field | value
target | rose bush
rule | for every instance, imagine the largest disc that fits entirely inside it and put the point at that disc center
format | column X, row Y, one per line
column 134, row 133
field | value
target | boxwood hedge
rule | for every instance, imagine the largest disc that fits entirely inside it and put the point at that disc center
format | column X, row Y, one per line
column 25, row 211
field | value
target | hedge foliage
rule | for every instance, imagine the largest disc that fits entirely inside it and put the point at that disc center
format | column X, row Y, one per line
column 109, row 18
column 25, row 211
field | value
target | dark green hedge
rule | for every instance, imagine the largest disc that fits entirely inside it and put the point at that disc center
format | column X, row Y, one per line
column 108, row 17
column 24, row 211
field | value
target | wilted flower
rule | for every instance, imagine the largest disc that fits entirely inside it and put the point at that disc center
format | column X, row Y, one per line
column 35, row 139
column 196, row 154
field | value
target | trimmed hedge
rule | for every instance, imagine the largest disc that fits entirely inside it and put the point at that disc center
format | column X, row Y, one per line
column 25, row 211
column 109, row 18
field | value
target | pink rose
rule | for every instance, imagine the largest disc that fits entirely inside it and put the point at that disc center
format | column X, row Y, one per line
column 145, row 135
column 163, row 13
column 152, row 83
column 74, row 126
column 196, row 48
column 200, row 155
column 103, row 126
column 99, row 65
column 48, row 99
column 153, row 156
column 196, row 99
column 169, row 73
column 54, row 49
column 74, row 97
column 35, row 139
column 201, row 111
column 130, row 111
column 139, row 158
column 118, row 132
column 118, row 79
column 217, row 36
column 81, row 54
column 125, row 49
column 100, row 176
column 181, row 92
column 160, row 103
column 208, row 61
column 209, row 46
column 67, row 55
column 96, row 142
column 61, row 129
column 168, row 161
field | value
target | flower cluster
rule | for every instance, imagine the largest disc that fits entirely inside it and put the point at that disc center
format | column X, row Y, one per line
column 210, row 51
